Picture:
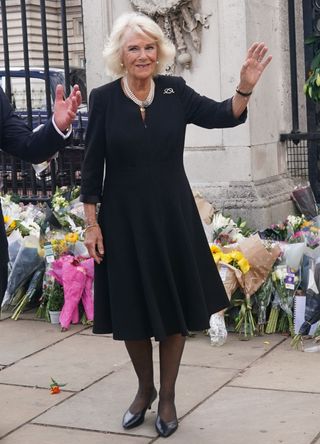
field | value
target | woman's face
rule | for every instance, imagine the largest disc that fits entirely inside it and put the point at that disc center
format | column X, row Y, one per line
column 139, row 55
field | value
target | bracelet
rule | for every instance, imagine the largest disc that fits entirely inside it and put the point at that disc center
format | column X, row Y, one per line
column 91, row 226
column 243, row 93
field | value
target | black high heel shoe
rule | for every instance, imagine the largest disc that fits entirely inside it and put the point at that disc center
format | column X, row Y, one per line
column 165, row 429
column 131, row 420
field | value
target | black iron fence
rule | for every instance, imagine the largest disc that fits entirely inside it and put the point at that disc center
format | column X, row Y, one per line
column 303, row 148
column 303, row 158
column 19, row 177
column 297, row 154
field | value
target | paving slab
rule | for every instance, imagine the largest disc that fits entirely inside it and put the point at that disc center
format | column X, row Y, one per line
column 284, row 368
column 21, row 404
column 234, row 353
column 250, row 416
column 21, row 338
column 78, row 361
column 34, row 434
column 88, row 331
column 102, row 406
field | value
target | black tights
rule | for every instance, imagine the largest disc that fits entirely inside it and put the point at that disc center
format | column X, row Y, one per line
column 170, row 352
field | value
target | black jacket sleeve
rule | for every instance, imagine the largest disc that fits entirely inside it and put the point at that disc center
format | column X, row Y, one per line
column 93, row 165
column 205, row 112
column 17, row 139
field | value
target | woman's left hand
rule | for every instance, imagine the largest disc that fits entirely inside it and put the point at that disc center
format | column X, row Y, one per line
column 254, row 65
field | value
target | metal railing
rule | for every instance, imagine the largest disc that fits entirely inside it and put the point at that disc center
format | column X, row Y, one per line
column 19, row 177
column 303, row 158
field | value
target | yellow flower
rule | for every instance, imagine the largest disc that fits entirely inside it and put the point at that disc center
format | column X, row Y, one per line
column 7, row 219
column 215, row 249
column 244, row 265
column 71, row 237
column 236, row 255
column 217, row 257
column 13, row 225
column 226, row 258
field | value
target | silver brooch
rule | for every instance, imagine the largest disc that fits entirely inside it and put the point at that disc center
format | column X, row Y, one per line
column 168, row 91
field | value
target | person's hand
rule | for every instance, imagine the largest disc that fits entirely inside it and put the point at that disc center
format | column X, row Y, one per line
column 94, row 243
column 64, row 110
column 254, row 65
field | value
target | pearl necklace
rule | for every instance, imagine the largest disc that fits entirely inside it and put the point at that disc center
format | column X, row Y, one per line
column 141, row 103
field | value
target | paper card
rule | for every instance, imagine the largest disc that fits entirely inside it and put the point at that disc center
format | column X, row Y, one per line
column 289, row 279
column 48, row 251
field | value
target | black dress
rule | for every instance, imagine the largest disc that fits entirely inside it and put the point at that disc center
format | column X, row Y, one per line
column 158, row 276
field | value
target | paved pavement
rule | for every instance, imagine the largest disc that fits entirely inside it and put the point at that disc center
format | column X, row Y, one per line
column 245, row 392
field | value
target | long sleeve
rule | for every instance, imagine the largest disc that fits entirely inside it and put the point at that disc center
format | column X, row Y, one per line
column 95, row 147
column 206, row 112
column 17, row 139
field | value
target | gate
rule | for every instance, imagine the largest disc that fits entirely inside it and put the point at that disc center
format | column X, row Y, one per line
column 34, row 102
column 303, row 149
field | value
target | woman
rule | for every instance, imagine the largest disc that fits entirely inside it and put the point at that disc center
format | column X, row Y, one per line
column 154, row 273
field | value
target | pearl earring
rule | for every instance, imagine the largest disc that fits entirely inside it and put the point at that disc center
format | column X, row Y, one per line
column 121, row 64
column 157, row 62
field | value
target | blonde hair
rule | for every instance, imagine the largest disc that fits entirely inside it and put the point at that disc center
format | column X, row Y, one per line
column 140, row 24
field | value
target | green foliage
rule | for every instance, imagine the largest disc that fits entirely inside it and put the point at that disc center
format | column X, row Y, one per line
column 55, row 297
column 312, row 85
column 244, row 229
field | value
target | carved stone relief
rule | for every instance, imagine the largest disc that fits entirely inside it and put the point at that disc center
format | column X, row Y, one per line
column 180, row 22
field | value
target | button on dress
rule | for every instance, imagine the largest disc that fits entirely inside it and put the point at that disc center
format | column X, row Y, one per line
column 158, row 276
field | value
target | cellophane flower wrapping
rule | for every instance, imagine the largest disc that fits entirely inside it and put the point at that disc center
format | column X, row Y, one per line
column 76, row 277
column 217, row 331
column 224, row 231
column 285, row 282
column 312, row 310
column 262, row 298
column 26, row 263
column 305, row 201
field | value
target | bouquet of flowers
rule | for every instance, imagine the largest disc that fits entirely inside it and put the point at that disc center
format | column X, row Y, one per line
column 75, row 275
column 285, row 282
column 33, row 287
column 312, row 310
column 67, row 209
column 232, row 266
column 305, row 201
column 262, row 298
column 26, row 263
column 225, row 231
column 23, row 218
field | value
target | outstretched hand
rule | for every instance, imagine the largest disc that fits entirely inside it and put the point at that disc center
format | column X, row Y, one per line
column 64, row 110
column 254, row 65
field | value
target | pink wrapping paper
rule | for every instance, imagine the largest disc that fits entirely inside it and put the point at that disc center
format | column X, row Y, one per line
column 76, row 277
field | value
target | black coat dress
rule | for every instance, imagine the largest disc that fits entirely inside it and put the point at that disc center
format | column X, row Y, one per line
column 17, row 139
column 158, row 276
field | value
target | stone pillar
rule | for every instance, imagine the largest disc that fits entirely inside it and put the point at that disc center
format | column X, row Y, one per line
column 242, row 171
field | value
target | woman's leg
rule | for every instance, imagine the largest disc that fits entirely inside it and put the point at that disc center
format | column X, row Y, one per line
column 140, row 353
column 171, row 350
